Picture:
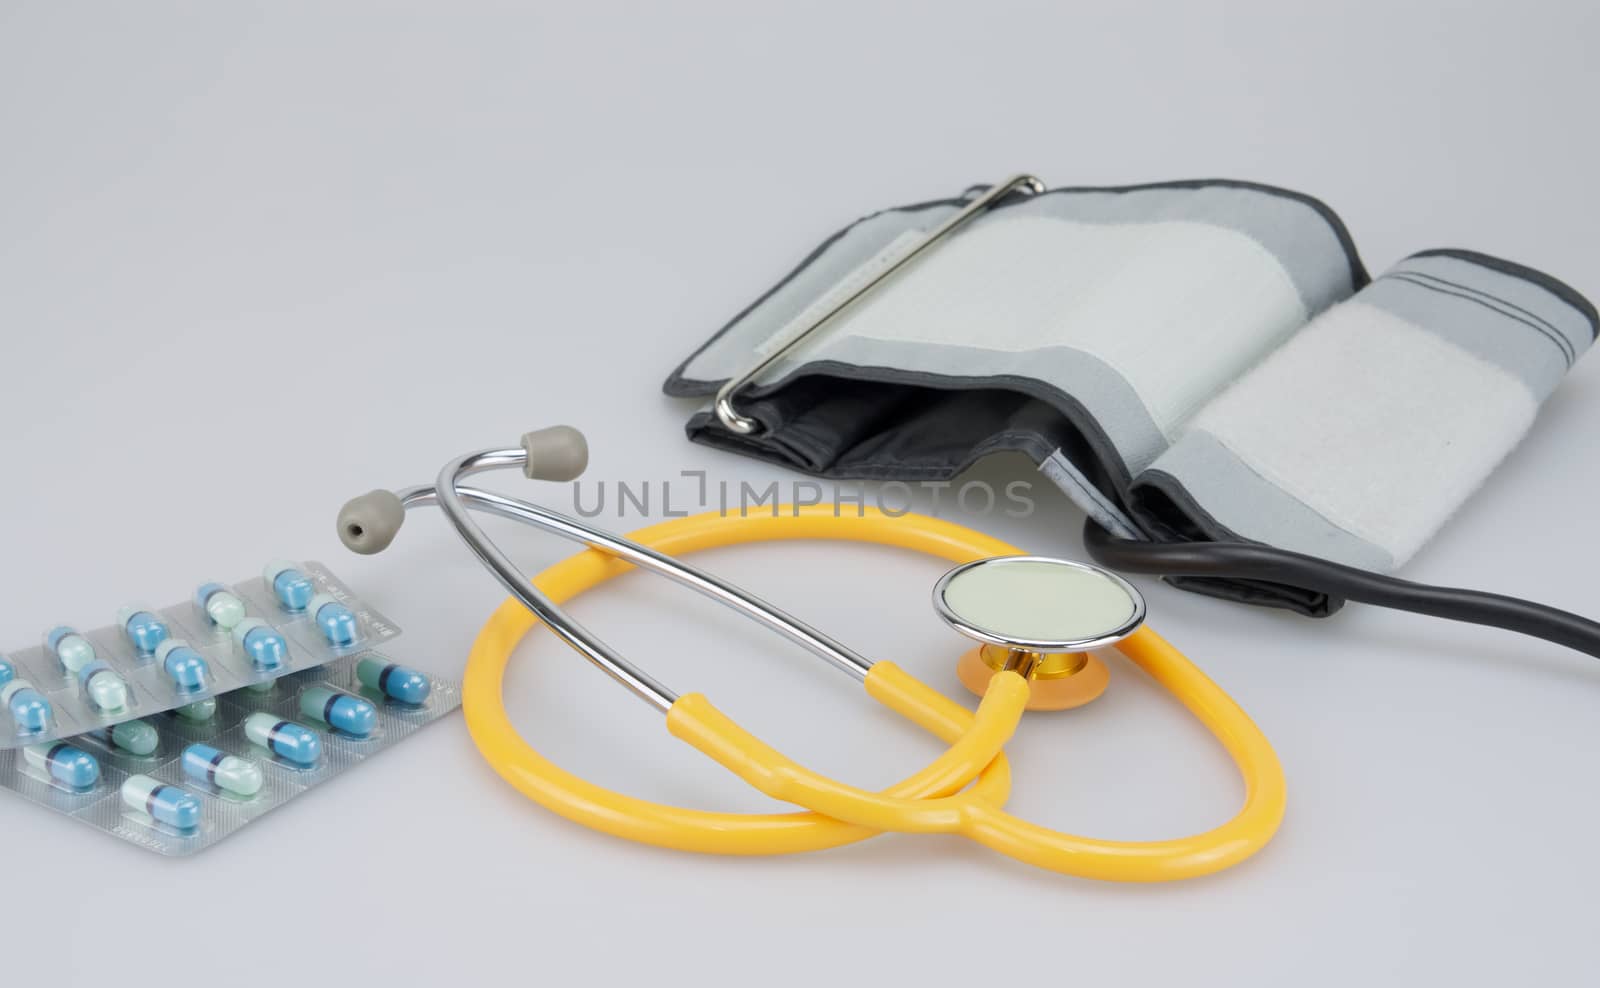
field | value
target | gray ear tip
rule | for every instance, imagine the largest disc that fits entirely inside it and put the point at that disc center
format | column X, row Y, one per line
column 558, row 453
column 369, row 523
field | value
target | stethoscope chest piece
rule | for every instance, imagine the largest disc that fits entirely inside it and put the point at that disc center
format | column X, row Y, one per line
column 1041, row 618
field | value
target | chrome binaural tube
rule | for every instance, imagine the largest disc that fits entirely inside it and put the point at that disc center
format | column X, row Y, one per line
column 458, row 502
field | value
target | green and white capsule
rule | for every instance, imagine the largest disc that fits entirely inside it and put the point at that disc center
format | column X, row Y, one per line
column 106, row 689
column 203, row 763
column 104, row 686
column 70, row 648
column 221, row 606
column 199, row 711
column 136, row 737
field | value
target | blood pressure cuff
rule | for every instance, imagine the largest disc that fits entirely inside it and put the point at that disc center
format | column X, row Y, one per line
column 1188, row 361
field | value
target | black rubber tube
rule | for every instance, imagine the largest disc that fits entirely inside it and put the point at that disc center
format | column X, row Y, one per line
column 1250, row 561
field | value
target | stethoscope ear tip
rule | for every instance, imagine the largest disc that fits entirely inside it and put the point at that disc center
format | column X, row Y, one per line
column 369, row 523
column 559, row 453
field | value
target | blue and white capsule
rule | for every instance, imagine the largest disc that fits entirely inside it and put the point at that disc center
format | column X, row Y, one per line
column 136, row 737
column 230, row 773
column 284, row 738
column 221, row 606
column 292, row 587
column 144, row 628
column 336, row 622
column 175, row 807
column 187, row 668
column 395, row 682
column 67, row 765
column 8, row 672
column 30, row 711
column 199, row 711
column 104, row 686
column 340, row 711
column 70, row 648
column 265, row 645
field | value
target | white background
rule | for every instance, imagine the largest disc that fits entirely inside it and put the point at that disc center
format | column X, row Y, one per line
column 255, row 259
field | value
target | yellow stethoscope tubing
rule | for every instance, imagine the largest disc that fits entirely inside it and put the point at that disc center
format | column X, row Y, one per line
column 976, row 739
column 974, row 813
column 695, row 720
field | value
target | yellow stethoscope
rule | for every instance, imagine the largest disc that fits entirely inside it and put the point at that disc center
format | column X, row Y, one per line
column 1028, row 655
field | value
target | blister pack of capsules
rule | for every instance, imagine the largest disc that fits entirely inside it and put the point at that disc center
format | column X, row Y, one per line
column 295, row 616
column 180, row 781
